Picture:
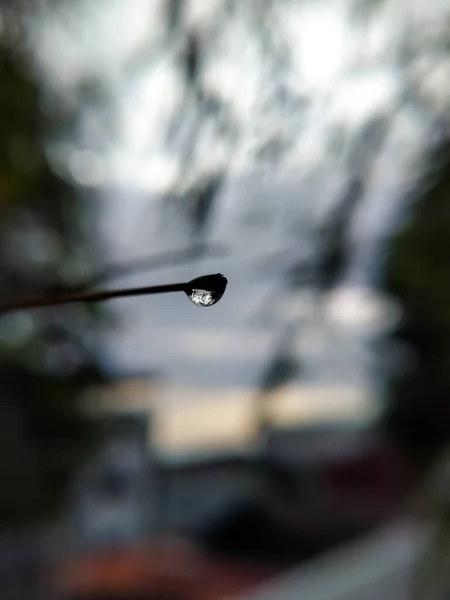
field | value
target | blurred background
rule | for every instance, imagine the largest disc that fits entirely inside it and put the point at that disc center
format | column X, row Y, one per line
column 292, row 441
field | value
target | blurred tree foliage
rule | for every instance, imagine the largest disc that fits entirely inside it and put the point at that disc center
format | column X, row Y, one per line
column 45, row 362
column 418, row 269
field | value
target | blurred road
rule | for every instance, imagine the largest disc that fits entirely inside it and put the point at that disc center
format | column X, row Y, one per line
column 376, row 568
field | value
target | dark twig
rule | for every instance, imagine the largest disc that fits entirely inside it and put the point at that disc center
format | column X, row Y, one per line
column 214, row 285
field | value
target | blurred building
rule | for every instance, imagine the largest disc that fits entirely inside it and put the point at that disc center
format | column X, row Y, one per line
column 193, row 468
column 110, row 498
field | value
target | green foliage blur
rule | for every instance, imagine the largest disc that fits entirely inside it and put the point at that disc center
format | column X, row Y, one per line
column 417, row 274
column 45, row 359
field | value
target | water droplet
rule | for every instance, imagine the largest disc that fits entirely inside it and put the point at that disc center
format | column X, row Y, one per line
column 207, row 290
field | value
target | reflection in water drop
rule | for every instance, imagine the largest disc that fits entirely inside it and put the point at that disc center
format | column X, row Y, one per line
column 203, row 297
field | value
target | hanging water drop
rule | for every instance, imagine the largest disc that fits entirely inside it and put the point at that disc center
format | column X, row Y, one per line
column 206, row 290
